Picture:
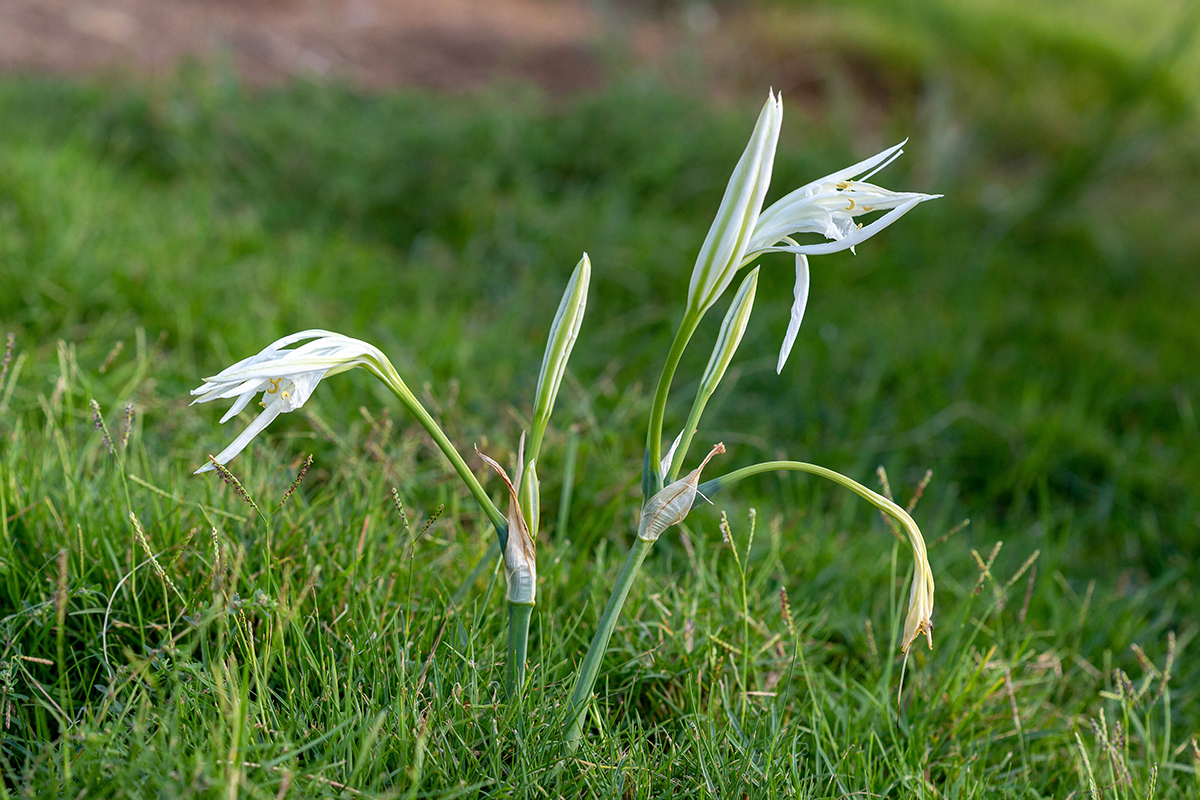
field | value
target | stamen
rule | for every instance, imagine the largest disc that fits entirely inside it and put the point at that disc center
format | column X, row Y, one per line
column 842, row 185
column 274, row 385
column 284, row 395
column 868, row 208
column 851, row 206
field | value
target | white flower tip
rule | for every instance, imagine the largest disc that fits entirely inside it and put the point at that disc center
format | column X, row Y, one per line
column 665, row 465
column 206, row 468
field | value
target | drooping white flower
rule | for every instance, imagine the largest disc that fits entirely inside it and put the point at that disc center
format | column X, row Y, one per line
column 285, row 376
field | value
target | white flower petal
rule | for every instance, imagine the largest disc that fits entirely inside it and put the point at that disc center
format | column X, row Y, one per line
column 264, row 419
column 238, row 405
column 858, row 236
column 874, row 163
column 800, row 294
column 268, row 353
column 301, row 389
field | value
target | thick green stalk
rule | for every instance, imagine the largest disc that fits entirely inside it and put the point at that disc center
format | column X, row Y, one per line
column 589, row 670
column 393, row 381
column 518, row 643
column 651, row 482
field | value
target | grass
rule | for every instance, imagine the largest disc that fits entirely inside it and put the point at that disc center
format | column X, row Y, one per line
column 1030, row 339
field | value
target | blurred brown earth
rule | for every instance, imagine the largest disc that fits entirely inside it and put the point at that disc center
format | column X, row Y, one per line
column 443, row 44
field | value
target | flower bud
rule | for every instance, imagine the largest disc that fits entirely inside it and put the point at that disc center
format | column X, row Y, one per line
column 724, row 248
column 563, row 332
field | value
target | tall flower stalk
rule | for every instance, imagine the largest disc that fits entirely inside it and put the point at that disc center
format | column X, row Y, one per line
column 742, row 232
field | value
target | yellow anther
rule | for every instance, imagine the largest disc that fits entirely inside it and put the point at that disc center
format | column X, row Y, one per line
column 851, row 206
column 843, row 185
column 284, row 395
column 274, row 385
column 261, row 404
column 868, row 208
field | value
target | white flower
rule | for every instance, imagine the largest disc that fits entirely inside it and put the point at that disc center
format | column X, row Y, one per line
column 286, row 378
column 827, row 207
column 742, row 231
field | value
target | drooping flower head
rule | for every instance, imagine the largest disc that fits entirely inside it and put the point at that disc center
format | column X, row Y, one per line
column 285, row 376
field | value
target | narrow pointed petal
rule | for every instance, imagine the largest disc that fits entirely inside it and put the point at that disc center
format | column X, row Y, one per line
column 238, row 405
column 874, row 164
column 239, row 444
column 858, row 236
column 800, row 301
column 665, row 464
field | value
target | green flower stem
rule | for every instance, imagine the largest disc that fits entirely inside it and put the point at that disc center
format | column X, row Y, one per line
column 651, row 483
column 389, row 376
column 689, row 430
column 589, row 670
column 708, row 488
column 518, row 643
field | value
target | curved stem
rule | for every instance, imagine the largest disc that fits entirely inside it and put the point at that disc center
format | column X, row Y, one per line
column 393, row 381
column 651, row 483
column 889, row 507
column 585, row 680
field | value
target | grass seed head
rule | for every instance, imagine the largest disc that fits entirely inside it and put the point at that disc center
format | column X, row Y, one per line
column 98, row 424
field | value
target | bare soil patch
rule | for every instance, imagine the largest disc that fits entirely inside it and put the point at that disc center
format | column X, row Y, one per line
column 443, row 44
